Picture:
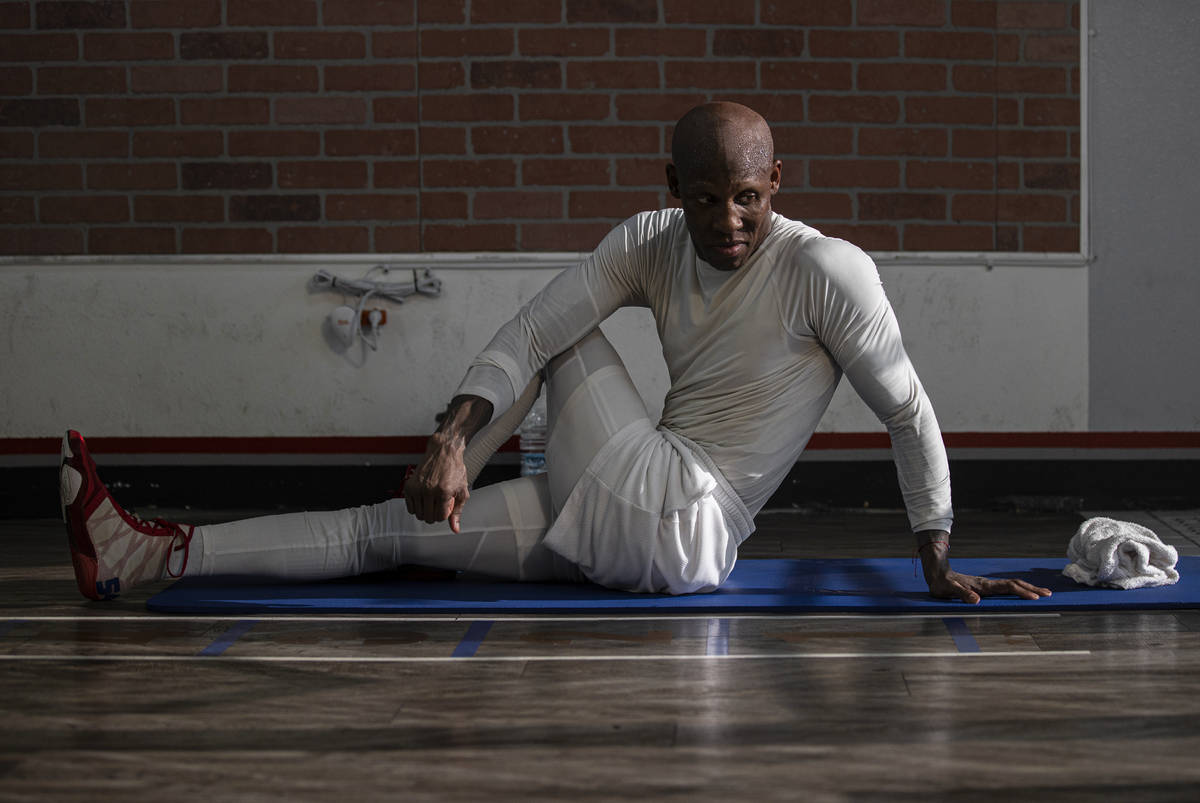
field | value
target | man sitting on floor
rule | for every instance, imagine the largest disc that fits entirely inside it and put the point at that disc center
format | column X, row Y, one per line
column 758, row 315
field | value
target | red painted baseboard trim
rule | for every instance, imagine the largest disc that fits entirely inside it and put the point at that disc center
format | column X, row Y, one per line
column 410, row 444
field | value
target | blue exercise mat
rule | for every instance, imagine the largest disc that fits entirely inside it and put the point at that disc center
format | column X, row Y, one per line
column 847, row 585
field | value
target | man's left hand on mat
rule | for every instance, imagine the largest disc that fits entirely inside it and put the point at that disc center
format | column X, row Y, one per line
column 970, row 589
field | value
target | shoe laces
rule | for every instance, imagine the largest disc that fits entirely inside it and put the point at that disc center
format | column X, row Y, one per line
column 180, row 540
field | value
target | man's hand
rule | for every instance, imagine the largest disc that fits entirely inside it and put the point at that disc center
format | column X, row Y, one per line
column 934, row 545
column 437, row 490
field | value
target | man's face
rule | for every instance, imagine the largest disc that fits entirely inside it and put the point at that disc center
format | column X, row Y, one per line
column 727, row 207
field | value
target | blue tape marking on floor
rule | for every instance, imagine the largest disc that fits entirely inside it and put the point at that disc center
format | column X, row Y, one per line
column 226, row 639
column 963, row 640
column 718, row 637
column 474, row 636
column 8, row 625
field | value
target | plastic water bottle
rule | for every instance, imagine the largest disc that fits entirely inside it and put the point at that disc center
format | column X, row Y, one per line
column 533, row 439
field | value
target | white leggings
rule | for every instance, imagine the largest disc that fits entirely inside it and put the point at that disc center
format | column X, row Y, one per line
column 590, row 397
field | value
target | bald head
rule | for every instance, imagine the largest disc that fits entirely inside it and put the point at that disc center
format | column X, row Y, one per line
column 722, row 135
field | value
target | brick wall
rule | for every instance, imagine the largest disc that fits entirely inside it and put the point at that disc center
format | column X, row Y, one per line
column 287, row 126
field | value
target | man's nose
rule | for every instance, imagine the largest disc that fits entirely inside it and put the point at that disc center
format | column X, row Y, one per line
column 728, row 219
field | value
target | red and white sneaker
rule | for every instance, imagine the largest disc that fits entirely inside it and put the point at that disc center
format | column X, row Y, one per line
column 112, row 550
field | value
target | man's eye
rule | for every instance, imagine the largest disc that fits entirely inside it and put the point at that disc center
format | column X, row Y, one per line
column 748, row 198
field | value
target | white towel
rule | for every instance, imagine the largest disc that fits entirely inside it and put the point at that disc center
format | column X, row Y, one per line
column 1120, row 554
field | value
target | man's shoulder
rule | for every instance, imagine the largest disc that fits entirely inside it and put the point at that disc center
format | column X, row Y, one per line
column 809, row 248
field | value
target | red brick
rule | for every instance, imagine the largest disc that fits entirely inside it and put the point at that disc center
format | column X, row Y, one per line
column 901, row 206
column 1032, row 143
column 614, row 139
column 953, row 45
column 38, row 241
column 1008, row 175
column 82, row 144
column 971, row 78
column 371, row 207
column 470, row 237
column 660, row 42
column 395, row 110
column 932, row 109
column 74, row 15
column 38, row 47
column 642, row 172
column 18, row 144
column 1052, row 48
column 1008, row 238
column 324, row 173
column 320, row 45
column 1075, row 144
column 517, row 139
column 445, row 11
column 469, row 173
column 178, row 208
column 807, row 140
column 321, row 110
column 929, row 13
column 1031, row 15
column 272, row 78
column 16, row 210
column 397, row 174
column 854, row 173
column 175, row 78
column 711, row 75
column 853, row 108
column 814, row 205
column 488, row 11
column 227, row 241
column 368, row 78
column 467, row 107
column 620, row 11
column 14, row 15
column 926, row 237
column 394, row 44
column 83, row 209
column 135, row 176
column 1051, row 176
column 868, row 237
column 807, row 75
column 224, row 111
column 128, row 46
column 1052, row 111
column 178, row 143
column 902, row 142
column 274, row 207
column 272, row 13
column 1008, row 111
column 667, row 107
column 1031, row 207
column 38, row 112
column 223, row 46
column 701, row 12
column 91, row 80
column 884, row 77
column 573, row 42
column 776, row 107
column 129, row 111
column 274, row 142
column 945, row 175
column 519, row 74
column 612, row 75
column 759, row 43
column 973, row 207
column 1053, row 239
column 376, row 142
column 562, row 236
column 226, row 175
column 443, row 205
column 438, row 139
column 369, row 12
column 556, row 172
column 397, row 239
column 518, row 204
column 176, row 14
column 566, row 106
column 131, row 240
column 973, row 13
column 458, row 42
column 324, row 240
column 854, row 44
column 16, row 81
column 836, row 13
column 440, row 75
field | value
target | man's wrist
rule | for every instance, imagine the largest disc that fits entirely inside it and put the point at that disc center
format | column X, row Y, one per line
column 933, row 547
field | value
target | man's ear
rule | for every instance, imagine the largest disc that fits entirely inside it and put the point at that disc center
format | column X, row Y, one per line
column 776, row 176
column 672, row 181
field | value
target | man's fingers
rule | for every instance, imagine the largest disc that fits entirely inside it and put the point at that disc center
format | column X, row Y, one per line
column 456, row 513
column 966, row 594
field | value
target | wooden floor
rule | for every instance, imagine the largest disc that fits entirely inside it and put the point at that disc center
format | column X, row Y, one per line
column 105, row 701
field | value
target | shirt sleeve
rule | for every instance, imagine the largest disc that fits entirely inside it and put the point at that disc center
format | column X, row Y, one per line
column 566, row 309
column 852, row 317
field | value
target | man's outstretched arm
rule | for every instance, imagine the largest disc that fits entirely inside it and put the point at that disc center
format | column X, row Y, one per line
column 437, row 490
column 934, row 546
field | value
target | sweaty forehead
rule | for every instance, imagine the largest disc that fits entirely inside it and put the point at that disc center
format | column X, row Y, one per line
column 722, row 141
